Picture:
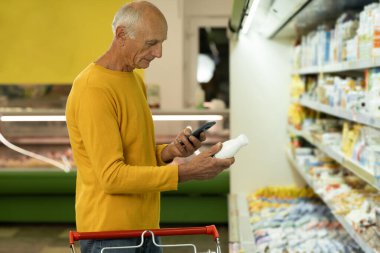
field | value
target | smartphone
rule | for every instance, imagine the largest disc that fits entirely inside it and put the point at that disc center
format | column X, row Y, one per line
column 197, row 133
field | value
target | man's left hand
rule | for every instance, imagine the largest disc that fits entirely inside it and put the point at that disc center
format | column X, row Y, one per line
column 184, row 145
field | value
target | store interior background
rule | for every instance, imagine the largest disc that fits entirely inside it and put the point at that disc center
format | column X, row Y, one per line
column 50, row 43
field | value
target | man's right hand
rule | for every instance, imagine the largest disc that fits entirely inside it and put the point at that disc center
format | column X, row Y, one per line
column 204, row 166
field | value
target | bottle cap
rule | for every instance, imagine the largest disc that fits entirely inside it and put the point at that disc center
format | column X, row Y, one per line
column 243, row 139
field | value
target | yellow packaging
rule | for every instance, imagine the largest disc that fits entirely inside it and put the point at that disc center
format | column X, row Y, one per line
column 297, row 87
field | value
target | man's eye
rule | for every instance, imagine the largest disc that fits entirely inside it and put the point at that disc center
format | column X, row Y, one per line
column 151, row 43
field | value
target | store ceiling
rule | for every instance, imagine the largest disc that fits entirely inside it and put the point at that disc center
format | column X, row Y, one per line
column 291, row 18
column 317, row 12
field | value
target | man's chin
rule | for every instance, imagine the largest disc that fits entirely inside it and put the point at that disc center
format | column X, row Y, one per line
column 143, row 65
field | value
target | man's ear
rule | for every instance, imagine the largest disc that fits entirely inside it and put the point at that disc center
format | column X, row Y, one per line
column 120, row 34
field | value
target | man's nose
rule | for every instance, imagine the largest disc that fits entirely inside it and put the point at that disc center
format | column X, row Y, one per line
column 157, row 51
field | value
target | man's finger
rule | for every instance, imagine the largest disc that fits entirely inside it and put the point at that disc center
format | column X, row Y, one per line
column 180, row 142
column 214, row 149
column 187, row 131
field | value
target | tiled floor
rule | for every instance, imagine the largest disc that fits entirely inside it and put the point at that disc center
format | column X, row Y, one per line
column 53, row 238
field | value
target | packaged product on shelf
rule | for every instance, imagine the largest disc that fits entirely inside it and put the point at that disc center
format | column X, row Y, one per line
column 297, row 57
column 374, row 162
column 369, row 137
column 303, row 151
column 361, row 144
column 311, row 86
column 373, row 92
column 296, row 114
column 351, row 39
column 349, row 197
column 352, row 51
column 331, row 138
column 365, row 31
column 376, row 32
column 297, row 87
column 345, row 138
column 305, row 159
column 377, row 215
column 345, row 29
column 324, row 37
column 346, row 93
column 354, row 182
column 350, row 136
column 329, row 124
column 291, row 219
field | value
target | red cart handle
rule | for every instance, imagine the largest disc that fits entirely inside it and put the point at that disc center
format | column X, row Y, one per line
column 207, row 230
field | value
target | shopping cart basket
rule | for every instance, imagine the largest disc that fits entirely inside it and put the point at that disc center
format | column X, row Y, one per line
column 206, row 230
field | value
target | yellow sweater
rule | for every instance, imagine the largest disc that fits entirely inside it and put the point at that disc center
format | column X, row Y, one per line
column 120, row 171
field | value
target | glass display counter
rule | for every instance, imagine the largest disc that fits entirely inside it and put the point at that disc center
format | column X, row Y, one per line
column 35, row 191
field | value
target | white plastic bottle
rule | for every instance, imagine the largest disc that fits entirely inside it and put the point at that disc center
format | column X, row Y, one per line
column 231, row 147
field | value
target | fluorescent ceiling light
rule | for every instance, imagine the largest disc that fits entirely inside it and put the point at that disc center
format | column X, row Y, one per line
column 186, row 117
column 33, row 118
column 251, row 14
column 36, row 118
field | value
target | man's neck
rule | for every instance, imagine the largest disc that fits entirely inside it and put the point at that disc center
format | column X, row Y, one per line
column 111, row 60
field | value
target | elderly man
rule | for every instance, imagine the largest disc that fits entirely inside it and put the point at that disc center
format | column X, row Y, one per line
column 121, row 171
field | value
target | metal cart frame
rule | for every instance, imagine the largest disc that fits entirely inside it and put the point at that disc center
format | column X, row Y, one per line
column 206, row 230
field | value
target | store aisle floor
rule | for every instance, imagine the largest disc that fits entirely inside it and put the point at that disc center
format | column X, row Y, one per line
column 53, row 238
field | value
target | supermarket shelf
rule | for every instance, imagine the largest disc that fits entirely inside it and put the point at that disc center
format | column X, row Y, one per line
column 365, row 247
column 340, row 67
column 351, row 116
column 240, row 232
column 339, row 157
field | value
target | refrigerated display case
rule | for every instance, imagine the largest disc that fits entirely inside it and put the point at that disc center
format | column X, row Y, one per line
column 348, row 182
column 32, row 190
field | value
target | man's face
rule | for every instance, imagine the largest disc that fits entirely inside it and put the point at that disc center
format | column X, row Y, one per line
column 147, row 44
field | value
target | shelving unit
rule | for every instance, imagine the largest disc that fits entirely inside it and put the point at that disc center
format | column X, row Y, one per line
column 340, row 67
column 339, row 157
column 341, row 113
column 238, row 223
column 334, row 151
column 266, row 71
column 365, row 247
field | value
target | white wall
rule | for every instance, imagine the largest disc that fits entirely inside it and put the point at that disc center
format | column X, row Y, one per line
column 260, row 77
column 208, row 8
column 168, row 70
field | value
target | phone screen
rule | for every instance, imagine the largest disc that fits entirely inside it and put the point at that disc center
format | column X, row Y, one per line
column 203, row 128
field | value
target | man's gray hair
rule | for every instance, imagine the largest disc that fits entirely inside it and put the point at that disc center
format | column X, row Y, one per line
column 127, row 16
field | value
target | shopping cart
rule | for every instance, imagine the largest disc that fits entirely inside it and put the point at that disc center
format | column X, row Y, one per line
column 206, row 230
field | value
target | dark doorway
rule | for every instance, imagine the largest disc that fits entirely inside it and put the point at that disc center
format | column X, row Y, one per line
column 213, row 64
